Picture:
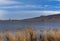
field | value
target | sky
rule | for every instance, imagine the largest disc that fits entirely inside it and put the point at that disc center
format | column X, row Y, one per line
column 23, row 9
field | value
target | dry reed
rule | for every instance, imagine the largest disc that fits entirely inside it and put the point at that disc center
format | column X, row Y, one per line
column 50, row 35
column 26, row 34
column 1, row 37
column 9, row 36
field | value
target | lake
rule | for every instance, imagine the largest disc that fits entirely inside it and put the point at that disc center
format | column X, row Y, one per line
column 36, row 25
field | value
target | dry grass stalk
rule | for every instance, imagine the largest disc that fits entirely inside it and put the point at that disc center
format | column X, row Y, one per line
column 1, row 37
column 50, row 35
column 34, row 37
column 19, row 36
column 27, row 34
column 9, row 36
column 32, row 33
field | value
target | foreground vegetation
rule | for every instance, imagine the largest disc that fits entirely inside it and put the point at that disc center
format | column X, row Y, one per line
column 26, row 34
column 50, row 35
column 29, row 34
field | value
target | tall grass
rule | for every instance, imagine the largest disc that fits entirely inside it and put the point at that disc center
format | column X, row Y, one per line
column 26, row 34
column 9, row 36
column 50, row 35
column 29, row 34
column 32, row 33
column 1, row 37
column 19, row 36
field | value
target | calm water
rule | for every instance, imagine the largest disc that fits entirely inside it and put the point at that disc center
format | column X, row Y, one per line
column 36, row 25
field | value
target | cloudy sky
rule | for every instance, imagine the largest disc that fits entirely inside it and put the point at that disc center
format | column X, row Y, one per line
column 22, row 9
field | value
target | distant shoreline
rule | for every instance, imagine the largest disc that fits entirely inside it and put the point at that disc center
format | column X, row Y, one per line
column 55, row 17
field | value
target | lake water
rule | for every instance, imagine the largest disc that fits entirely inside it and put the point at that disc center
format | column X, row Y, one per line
column 36, row 25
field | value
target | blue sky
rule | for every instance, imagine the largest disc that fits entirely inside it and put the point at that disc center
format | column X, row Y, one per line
column 22, row 9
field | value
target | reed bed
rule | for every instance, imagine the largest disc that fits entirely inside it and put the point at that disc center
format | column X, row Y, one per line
column 50, row 35
column 29, row 34
column 20, row 36
column 26, row 34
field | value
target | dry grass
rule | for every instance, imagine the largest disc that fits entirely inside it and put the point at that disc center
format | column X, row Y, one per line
column 50, row 35
column 26, row 34
column 1, row 37
column 9, row 36
column 29, row 34
column 20, row 36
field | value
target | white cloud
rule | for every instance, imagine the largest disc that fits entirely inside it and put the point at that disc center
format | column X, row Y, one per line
column 25, row 6
column 24, row 14
column 2, row 13
column 57, row 0
column 49, row 12
column 54, row 0
column 35, row 6
column 2, row 2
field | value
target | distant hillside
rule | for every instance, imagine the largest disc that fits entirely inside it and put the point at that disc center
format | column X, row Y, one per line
column 55, row 17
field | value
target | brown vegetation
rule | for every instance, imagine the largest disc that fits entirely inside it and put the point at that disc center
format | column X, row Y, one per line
column 29, row 34
column 1, row 37
column 9, row 36
column 50, row 35
column 26, row 34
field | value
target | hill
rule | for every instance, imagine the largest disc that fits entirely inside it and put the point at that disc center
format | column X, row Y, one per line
column 55, row 17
